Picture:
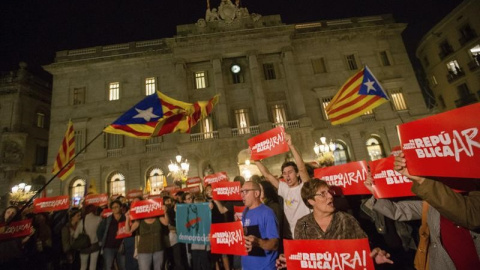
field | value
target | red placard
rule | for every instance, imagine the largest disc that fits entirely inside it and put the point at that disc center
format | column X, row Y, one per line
column 346, row 179
column 51, row 204
column 388, row 182
column 146, row 209
column 134, row 193
column 396, row 150
column 122, row 231
column 226, row 191
column 238, row 212
column 194, row 181
column 214, row 178
column 15, row 229
column 445, row 145
column 172, row 189
column 193, row 189
column 328, row 254
column 227, row 238
column 106, row 213
column 268, row 144
column 96, row 199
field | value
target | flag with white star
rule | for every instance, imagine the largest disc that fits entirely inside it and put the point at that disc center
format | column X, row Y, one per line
column 361, row 93
column 158, row 115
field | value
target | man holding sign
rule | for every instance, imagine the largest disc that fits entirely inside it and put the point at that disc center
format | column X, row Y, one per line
column 292, row 172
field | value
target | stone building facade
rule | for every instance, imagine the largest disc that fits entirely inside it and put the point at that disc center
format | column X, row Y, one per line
column 24, row 122
column 267, row 74
column 450, row 56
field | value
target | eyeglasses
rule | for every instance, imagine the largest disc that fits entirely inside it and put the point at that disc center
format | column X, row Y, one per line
column 245, row 191
column 324, row 193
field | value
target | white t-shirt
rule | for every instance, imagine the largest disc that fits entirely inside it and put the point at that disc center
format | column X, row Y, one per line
column 293, row 205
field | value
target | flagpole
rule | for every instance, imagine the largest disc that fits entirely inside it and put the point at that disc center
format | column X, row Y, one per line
column 55, row 175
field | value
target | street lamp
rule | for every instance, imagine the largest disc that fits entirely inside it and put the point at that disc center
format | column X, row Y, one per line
column 324, row 152
column 21, row 193
column 179, row 170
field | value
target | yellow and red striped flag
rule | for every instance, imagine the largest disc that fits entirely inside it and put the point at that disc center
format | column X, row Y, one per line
column 65, row 154
column 361, row 93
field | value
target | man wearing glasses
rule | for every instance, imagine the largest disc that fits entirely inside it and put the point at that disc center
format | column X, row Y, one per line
column 260, row 228
column 292, row 173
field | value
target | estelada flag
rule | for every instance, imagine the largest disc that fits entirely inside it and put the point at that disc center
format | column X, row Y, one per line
column 146, row 209
column 214, row 178
column 66, row 152
column 16, row 229
column 347, row 254
column 388, row 182
column 51, row 204
column 227, row 238
column 96, row 199
column 361, row 93
column 268, row 144
column 158, row 114
column 345, row 179
column 226, row 191
column 444, row 145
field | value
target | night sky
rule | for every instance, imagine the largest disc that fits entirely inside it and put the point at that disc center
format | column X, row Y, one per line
column 33, row 30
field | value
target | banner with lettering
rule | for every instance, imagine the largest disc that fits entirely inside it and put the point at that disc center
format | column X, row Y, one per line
column 96, row 199
column 172, row 189
column 192, row 189
column 16, row 229
column 226, row 191
column 193, row 181
column 328, row 254
column 134, row 193
column 214, row 178
column 445, row 145
column 346, row 179
column 51, row 204
column 238, row 212
column 146, row 209
column 268, row 144
column 388, row 182
column 122, row 231
column 227, row 238
column 193, row 223
column 106, row 213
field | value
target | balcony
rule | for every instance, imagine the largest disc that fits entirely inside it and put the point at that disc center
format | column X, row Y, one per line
column 253, row 130
column 203, row 136
column 466, row 100
column 474, row 64
column 288, row 124
column 115, row 152
column 453, row 76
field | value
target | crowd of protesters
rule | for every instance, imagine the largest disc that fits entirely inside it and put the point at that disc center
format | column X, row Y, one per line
column 292, row 206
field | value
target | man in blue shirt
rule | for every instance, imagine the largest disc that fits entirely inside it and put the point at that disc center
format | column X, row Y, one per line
column 260, row 228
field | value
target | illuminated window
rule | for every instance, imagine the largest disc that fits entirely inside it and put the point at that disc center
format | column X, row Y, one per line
column 156, row 180
column 369, row 112
column 351, row 62
column 206, row 128
column 149, row 86
column 325, row 102
column 384, row 57
column 341, row 153
column 453, row 67
column 269, row 71
column 278, row 113
column 318, row 65
column 40, row 120
column 117, row 185
column 201, row 80
column 243, row 121
column 78, row 96
column 114, row 91
column 398, row 100
column 113, row 141
column 77, row 191
column 375, row 148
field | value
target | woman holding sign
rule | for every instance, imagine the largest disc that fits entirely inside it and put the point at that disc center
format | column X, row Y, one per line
column 151, row 245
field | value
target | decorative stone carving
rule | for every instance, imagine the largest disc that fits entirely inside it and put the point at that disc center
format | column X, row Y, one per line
column 227, row 12
column 201, row 23
column 211, row 15
column 12, row 152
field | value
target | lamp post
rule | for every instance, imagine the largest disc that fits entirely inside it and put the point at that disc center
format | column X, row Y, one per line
column 21, row 193
column 324, row 152
column 178, row 170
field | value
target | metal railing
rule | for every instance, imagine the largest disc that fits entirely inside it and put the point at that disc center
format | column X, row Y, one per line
column 203, row 136
column 287, row 125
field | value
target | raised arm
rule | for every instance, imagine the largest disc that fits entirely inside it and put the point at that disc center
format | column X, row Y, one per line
column 266, row 173
column 302, row 169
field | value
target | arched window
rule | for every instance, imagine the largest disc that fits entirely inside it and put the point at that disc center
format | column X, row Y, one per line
column 340, row 154
column 117, row 184
column 156, row 181
column 375, row 148
column 77, row 191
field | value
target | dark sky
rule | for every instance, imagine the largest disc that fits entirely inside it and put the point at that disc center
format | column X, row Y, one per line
column 33, row 30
